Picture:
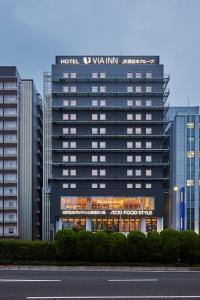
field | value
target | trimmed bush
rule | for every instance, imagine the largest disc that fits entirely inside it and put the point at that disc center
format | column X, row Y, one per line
column 84, row 246
column 65, row 243
column 154, row 247
column 189, row 246
column 101, row 246
column 170, row 246
column 117, row 249
column 136, row 246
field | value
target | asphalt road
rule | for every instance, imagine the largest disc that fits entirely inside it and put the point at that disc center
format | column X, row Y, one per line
column 98, row 285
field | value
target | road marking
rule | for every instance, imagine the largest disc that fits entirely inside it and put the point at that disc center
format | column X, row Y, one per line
column 28, row 280
column 124, row 280
column 118, row 297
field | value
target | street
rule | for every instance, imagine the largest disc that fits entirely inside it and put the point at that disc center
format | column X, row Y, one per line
column 40, row 284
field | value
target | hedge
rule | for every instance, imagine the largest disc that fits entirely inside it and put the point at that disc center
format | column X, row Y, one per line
column 168, row 247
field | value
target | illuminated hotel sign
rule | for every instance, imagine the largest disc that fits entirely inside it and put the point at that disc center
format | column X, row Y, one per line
column 106, row 60
column 108, row 213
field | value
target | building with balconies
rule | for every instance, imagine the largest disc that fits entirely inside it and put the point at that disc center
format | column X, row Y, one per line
column 109, row 150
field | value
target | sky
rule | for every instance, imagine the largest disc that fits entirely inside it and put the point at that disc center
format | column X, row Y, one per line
column 33, row 32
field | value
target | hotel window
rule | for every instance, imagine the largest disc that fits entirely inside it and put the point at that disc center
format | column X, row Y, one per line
column 148, row 172
column 148, row 103
column 94, row 158
column 65, row 158
column 138, row 75
column 102, row 130
column 148, row 89
column 72, row 117
column 129, row 185
column 73, row 102
column 94, row 89
column 138, row 172
column 129, row 145
column 190, row 154
column 138, row 103
column 148, row 158
column 95, row 75
column 65, row 172
column 94, row 145
column 73, row 75
column 72, row 145
column 10, row 98
column 94, row 130
column 129, row 131
column 102, row 172
column 129, row 158
column 138, row 89
column 65, row 185
column 73, row 89
column 94, row 185
column 102, row 103
column 129, row 102
column 102, row 75
column 190, row 182
column 94, row 103
column 94, row 172
column 148, row 75
column 72, row 185
column 102, row 89
column 10, row 137
column 73, row 130
column 138, row 117
column 65, row 89
column 10, row 85
column 65, row 102
column 129, row 117
column 73, row 158
column 65, row 130
column 148, row 145
column 102, row 185
column 138, row 130
column 148, row 185
column 148, row 130
column 138, row 185
column 102, row 158
column 138, row 158
column 190, row 125
column 65, row 75
column 129, row 89
column 138, row 145
column 65, row 144
column 129, row 172
column 10, row 164
column 73, row 172
column 10, row 111
column 94, row 117
column 102, row 117
column 129, row 75
column 148, row 117
column 102, row 144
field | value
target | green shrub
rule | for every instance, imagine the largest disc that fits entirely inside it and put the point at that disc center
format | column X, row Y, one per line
column 100, row 246
column 65, row 243
column 136, row 246
column 189, row 246
column 154, row 247
column 117, row 249
column 84, row 245
column 170, row 245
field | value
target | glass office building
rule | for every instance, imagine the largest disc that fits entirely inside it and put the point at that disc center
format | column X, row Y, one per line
column 184, row 203
column 109, row 151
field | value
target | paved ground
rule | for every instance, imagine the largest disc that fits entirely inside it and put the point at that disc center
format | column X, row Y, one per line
column 62, row 284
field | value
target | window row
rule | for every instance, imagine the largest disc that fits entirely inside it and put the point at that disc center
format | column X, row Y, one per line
column 102, row 158
column 8, row 85
column 102, row 103
column 8, row 98
column 8, row 111
column 8, row 177
column 8, row 190
column 8, row 151
column 102, row 145
column 102, row 117
column 137, row 130
column 102, row 172
column 8, row 138
column 95, row 185
column 8, row 125
column 102, row 75
column 8, row 164
column 102, row 89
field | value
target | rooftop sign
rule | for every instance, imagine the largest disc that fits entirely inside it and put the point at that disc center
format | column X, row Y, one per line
column 107, row 60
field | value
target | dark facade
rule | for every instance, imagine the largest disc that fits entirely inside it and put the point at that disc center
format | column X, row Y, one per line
column 109, row 156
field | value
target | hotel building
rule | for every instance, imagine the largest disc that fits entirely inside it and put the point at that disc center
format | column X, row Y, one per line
column 109, row 150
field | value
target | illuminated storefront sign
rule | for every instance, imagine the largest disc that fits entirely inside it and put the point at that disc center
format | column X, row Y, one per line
column 106, row 60
column 107, row 213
